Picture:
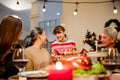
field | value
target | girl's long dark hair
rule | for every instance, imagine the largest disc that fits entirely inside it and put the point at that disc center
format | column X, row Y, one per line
column 29, row 40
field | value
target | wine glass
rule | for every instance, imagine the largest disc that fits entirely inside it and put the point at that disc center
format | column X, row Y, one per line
column 111, row 61
column 19, row 60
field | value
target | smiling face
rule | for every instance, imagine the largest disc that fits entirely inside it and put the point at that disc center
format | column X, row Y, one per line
column 60, row 36
column 59, row 32
column 107, row 41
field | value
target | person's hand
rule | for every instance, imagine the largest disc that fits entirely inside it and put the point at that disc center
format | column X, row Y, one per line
column 54, row 59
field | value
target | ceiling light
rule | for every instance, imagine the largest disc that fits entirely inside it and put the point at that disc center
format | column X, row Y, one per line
column 18, row 2
column 115, row 11
column 76, row 11
column 44, row 8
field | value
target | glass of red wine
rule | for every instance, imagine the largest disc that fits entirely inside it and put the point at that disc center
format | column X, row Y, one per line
column 111, row 61
column 19, row 59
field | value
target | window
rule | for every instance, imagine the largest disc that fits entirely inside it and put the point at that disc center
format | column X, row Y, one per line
column 48, row 26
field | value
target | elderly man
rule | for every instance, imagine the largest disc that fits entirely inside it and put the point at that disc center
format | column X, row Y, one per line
column 109, row 38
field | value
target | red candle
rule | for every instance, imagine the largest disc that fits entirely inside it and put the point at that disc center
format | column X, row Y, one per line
column 60, row 72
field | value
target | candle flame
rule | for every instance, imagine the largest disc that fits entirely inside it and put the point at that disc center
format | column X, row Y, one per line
column 59, row 66
column 20, row 50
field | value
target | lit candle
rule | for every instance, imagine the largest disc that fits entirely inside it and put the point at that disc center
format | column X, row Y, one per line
column 96, row 44
column 60, row 72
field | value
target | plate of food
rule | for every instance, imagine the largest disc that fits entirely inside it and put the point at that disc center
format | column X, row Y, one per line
column 35, row 74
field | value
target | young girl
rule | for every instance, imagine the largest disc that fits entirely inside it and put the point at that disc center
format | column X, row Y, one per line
column 62, row 45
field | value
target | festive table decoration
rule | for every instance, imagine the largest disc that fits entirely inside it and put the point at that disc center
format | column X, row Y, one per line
column 59, row 71
column 90, row 39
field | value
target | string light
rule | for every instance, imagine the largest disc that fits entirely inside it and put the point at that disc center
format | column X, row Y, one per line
column 75, row 2
column 115, row 11
column 76, row 11
column 18, row 2
column 44, row 8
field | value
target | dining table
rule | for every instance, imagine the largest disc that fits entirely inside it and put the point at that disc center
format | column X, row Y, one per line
column 45, row 75
column 16, row 77
column 115, row 76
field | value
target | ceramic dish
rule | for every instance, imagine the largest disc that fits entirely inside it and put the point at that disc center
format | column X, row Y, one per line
column 35, row 74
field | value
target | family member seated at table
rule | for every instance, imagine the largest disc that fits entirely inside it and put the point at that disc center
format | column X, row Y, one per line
column 38, row 57
column 62, row 45
column 10, row 32
column 109, row 38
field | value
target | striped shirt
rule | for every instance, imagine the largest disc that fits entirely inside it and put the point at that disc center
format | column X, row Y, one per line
column 59, row 48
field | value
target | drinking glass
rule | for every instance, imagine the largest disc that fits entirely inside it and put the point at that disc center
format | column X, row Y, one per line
column 19, row 60
column 111, row 61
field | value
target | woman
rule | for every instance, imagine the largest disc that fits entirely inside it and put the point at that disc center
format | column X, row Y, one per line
column 10, row 32
column 62, row 45
column 39, row 57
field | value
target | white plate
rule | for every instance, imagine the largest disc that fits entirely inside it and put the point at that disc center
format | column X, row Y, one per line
column 34, row 74
column 116, row 74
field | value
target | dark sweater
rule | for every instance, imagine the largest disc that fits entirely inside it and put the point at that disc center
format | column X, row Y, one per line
column 117, row 45
column 9, row 67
